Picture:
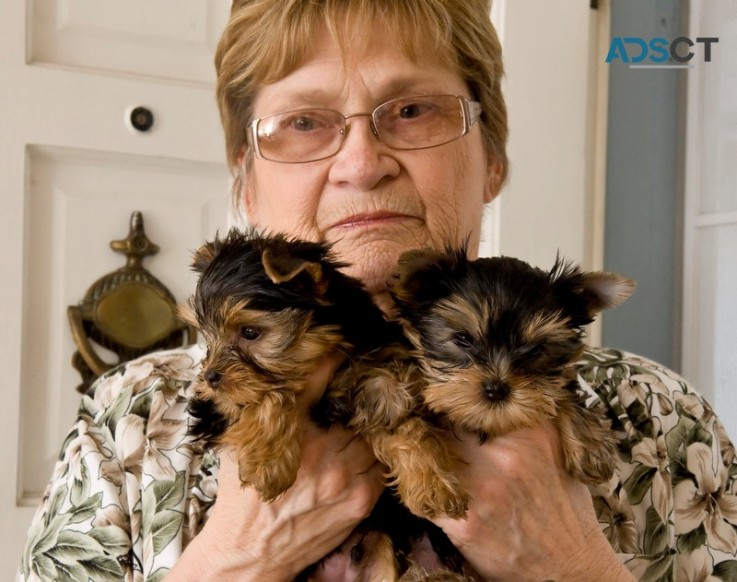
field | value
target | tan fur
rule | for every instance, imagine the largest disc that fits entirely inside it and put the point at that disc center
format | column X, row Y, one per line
column 262, row 413
column 460, row 313
column 386, row 413
column 382, row 566
column 420, row 468
column 186, row 314
column 204, row 256
column 286, row 346
column 459, row 399
column 587, row 443
column 270, row 462
column 547, row 328
column 255, row 384
column 418, row 574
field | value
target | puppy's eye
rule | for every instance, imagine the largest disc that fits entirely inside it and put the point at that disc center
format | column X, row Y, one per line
column 249, row 333
column 463, row 339
column 532, row 351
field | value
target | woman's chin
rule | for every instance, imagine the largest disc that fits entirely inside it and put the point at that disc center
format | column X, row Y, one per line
column 373, row 263
column 374, row 276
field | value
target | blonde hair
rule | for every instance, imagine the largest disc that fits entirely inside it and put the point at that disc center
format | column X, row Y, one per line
column 265, row 40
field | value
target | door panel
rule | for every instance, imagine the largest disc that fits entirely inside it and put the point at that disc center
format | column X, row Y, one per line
column 166, row 39
column 65, row 252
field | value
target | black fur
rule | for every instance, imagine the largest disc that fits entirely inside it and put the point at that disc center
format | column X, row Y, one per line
column 236, row 271
column 207, row 422
column 519, row 290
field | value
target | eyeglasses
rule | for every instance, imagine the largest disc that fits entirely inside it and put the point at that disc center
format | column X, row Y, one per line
column 409, row 123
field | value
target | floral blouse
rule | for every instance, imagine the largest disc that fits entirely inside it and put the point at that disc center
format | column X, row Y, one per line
column 131, row 489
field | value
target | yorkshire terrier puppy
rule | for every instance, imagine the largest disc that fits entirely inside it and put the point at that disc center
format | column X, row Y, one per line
column 498, row 340
column 270, row 309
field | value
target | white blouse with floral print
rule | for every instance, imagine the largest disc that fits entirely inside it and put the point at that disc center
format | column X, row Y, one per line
column 131, row 489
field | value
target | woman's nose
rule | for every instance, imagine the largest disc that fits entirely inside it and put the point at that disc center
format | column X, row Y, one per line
column 363, row 160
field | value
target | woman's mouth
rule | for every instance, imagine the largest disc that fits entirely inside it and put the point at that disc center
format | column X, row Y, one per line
column 369, row 219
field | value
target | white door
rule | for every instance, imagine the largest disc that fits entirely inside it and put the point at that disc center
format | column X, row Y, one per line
column 72, row 170
column 710, row 225
column 556, row 90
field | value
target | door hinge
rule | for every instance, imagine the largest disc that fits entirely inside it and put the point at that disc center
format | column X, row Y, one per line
column 594, row 4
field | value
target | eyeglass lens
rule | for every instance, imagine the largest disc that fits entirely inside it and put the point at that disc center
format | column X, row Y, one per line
column 408, row 123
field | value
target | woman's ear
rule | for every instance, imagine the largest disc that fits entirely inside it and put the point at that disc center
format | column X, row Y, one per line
column 247, row 192
column 494, row 179
column 249, row 202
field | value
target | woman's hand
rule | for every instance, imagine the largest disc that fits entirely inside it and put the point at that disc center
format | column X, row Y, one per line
column 528, row 520
column 337, row 485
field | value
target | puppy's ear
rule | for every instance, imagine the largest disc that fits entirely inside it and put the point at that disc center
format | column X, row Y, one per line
column 203, row 256
column 423, row 275
column 282, row 266
column 609, row 289
column 584, row 294
column 207, row 253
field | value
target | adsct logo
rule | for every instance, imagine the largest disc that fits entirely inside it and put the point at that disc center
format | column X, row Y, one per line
column 658, row 52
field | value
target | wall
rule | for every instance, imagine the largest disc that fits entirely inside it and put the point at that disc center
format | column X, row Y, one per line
column 644, row 186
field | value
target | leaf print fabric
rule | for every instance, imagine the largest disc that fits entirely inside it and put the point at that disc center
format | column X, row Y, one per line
column 130, row 490
column 702, row 502
column 671, row 509
column 120, row 500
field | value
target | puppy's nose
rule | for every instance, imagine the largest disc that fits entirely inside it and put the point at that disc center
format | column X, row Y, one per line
column 213, row 378
column 496, row 390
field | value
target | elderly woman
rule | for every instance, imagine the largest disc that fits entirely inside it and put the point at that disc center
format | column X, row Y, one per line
column 378, row 126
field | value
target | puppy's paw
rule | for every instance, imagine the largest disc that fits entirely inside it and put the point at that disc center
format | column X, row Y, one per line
column 270, row 478
column 588, row 445
column 421, row 468
column 434, row 497
column 592, row 465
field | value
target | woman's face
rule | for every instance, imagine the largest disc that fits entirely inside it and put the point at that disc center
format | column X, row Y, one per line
column 370, row 201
